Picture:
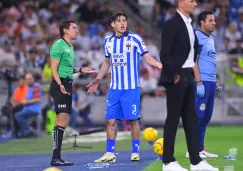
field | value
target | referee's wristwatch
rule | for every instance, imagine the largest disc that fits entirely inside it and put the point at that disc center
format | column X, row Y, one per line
column 80, row 70
column 60, row 84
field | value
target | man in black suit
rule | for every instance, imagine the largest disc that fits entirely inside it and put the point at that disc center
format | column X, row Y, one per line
column 179, row 47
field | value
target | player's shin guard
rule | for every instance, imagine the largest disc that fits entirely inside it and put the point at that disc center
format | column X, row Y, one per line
column 57, row 136
column 135, row 146
column 110, row 145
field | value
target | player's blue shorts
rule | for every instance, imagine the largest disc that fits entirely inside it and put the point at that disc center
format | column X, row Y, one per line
column 123, row 104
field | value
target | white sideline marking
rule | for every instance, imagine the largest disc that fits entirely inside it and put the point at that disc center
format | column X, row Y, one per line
column 87, row 140
column 96, row 137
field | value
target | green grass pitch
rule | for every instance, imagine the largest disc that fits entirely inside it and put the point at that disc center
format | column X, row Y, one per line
column 218, row 140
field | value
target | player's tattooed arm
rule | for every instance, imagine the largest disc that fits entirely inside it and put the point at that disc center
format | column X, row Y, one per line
column 104, row 69
column 151, row 61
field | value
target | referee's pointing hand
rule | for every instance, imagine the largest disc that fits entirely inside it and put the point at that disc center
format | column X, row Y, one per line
column 63, row 90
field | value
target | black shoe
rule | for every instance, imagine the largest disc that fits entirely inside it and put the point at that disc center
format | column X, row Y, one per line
column 60, row 162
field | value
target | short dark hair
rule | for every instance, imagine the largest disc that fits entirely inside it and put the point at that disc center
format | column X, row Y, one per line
column 203, row 15
column 65, row 25
column 117, row 15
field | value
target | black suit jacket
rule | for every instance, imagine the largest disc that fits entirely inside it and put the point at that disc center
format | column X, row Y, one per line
column 175, row 48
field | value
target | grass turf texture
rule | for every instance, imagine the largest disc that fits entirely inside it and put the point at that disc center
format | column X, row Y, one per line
column 218, row 140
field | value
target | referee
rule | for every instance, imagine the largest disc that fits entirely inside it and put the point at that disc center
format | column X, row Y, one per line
column 62, row 61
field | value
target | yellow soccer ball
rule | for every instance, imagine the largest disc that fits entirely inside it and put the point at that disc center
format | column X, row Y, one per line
column 158, row 147
column 150, row 134
column 52, row 169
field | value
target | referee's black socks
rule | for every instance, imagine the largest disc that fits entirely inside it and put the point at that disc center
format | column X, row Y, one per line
column 57, row 136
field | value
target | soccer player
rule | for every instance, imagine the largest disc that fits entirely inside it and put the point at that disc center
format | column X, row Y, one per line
column 62, row 61
column 123, row 50
column 205, row 76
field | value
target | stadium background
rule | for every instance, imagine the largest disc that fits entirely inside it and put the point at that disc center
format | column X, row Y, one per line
column 28, row 28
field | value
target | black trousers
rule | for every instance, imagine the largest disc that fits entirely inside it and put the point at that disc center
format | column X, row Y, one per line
column 180, row 102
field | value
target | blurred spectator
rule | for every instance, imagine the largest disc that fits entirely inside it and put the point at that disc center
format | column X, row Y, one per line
column 157, row 16
column 233, row 34
column 30, row 15
column 19, row 95
column 3, row 35
column 7, row 59
column 81, row 106
column 35, row 31
column 95, row 58
column 97, row 41
column 146, row 7
column 46, row 72
column 219, row 32
column 31, row 64
column 147, row 84
column 153, row 50
column 54, row 27
column 105, row 14
column 170, row 12
column 83, row 42
column 240, row 20
column 32, row 105
column 66, row 12
column 21, row 56
column 87, row 12
column 238, row 48
column 224, row 48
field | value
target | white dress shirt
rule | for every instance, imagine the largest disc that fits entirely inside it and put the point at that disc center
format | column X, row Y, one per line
column 190, row 59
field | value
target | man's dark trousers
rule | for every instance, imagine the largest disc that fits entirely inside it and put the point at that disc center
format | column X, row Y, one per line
column 181, row 103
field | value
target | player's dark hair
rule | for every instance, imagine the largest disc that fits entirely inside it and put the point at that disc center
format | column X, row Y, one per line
column 117, row 15
column 65, row 25
column 203, row 16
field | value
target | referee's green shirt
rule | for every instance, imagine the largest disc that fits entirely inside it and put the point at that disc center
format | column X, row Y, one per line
column 64, row 52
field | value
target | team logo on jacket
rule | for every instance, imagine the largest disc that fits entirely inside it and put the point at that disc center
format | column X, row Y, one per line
column 202, row 107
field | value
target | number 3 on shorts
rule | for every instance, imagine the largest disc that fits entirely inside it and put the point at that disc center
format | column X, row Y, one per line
column 134, row 109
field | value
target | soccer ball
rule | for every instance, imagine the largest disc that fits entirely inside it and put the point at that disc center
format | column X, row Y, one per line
column 52, row 169
column 158, row 147
column 150, row 134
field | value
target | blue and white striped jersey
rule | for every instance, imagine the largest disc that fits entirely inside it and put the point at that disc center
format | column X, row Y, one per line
column 207, row 57
column 124, row 53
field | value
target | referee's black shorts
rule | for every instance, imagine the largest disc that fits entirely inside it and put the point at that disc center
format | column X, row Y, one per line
column 62, row 102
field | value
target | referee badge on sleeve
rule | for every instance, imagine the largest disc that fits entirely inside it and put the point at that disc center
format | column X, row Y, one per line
column 67, row 51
